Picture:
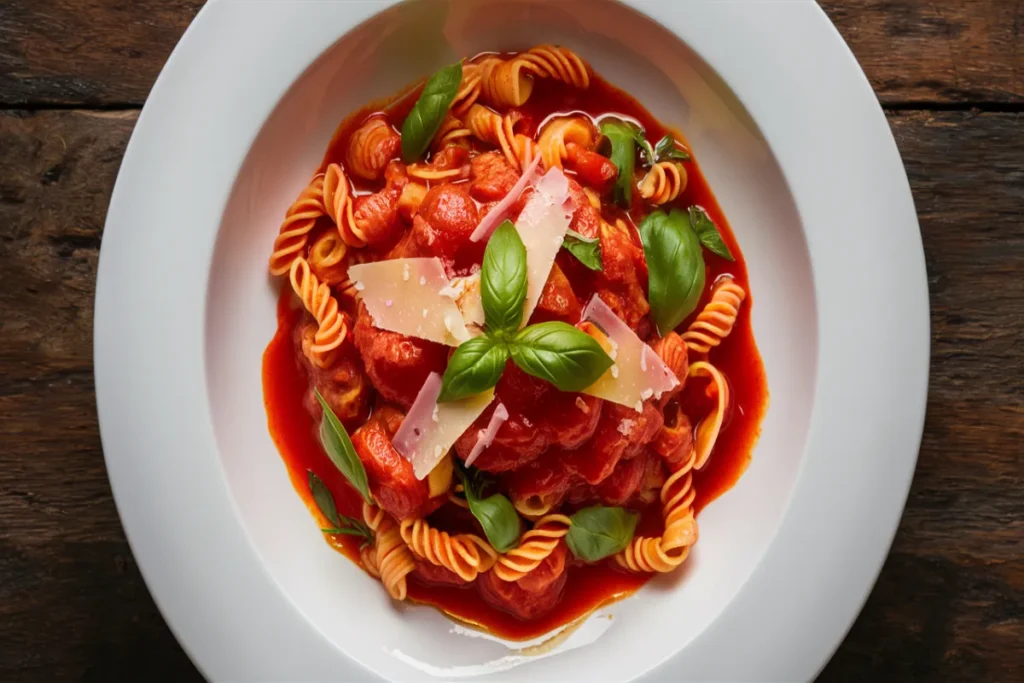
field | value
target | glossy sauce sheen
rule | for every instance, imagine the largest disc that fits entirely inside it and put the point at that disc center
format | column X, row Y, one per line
column 588, row 586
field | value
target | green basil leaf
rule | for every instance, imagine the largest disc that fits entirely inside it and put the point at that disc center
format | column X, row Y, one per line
column 666, row 150
column 708, row 233
column 503, row 281
column 496, row 515
column 475, row 366
column 646, row 150
column 675, row 265
column 355, row 528
column 424, row 120
column 586, row 250
column 599, row 532
column 323, row 498
column 340, row 450
column 622, row 137
column 559, row 353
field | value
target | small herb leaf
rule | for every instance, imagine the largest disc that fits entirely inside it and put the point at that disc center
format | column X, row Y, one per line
column 340, row 450
column 560, row 354
column 646, row 150
column 675, row 265
column 622, row 137
column 587, row 250
column 423, row 122
column 323, row 498
column 599, row 532
column 496, row 515
column 708, row 233
column 666, row 150
column 503, row 281
column 476, row 366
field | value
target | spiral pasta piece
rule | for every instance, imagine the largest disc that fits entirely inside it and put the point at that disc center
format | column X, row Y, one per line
column 466, row 555
column 715, row 322
column 371, row 147
column 533, row 507
column 327, row 258
column 317, row 299
column 368, row 557
column 489, row 126
column 534, row 547
column 469, row 89
column 452, row 132
column 560, row 131
column 664, row 182
column 666, row 552
column 394, row 560
column 338, row 205
column 558, row 63
column 710, row 427
column 298, row 221
column 504, row 83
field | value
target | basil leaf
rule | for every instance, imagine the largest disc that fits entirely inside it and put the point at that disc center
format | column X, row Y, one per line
column 587, row 250
column 598, row 532
column 675, row 265
column 424, row 120
column 666, row 150
column 503, row 281
column 340, row 450
column 622, row 136
column 560, row 354
column 475, row 366
column 708, row 233
column 323, row 499
column 496, row 515
column 646, row 150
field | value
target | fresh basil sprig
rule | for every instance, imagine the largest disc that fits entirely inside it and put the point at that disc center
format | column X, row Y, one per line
column 598, row 532
column 561, row 354
column 708, row 233
column 555, row 351
column 340, row 450
column 675, row 265
column 503, row 290
column 587, row 250
column 423, row 122
column 496, row 514
column 342, row 524
column 666, row 150
column 475, row 366
column 622, row 136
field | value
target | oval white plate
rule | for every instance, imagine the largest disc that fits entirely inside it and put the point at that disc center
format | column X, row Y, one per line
column 796, row 147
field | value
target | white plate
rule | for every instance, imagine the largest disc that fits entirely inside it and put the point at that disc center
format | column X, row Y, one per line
column 800, row 156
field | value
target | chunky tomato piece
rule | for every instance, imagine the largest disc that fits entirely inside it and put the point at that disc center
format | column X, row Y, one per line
column 621, row 434
column 377, row 214
column 586, row 219
column 571, row 419
column 547, row 476
column 623, row 482
column 517, row 442
column 434, row 575
column 593, row 169
column 520, row 391
column 442, row 226
column 396, row 364
column 493, row 177
column 557, row 300
column 532, row 595
column 392, row 482
column 675, row 440
column 622, row 284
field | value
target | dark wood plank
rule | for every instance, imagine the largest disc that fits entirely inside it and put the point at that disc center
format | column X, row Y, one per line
column 947, row 607
column 108, row 52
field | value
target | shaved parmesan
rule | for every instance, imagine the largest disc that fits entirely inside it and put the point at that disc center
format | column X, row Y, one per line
column 500, row 210
column 638, row 373
column 405, row 295
column 542, row 225
column 430, row 428
column 465, row 291
column 485, row 436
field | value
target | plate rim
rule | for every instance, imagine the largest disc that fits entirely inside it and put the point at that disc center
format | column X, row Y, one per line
column 294, row 647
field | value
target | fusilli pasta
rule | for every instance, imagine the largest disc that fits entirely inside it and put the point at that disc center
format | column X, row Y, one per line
column 327, row 258
column 371, row 147
column 466, row 555
column 664, row 182
column 715, row 322
column 560, row 131
column 534, row 547
column 338, row 205
column 558, row 63
column 394, row 560
column 709, row 428
column 489, row 126
column 317, row 299
column 298, row 221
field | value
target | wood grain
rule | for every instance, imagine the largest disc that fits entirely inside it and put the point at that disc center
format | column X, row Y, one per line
column 108, row 52
column 950, row 600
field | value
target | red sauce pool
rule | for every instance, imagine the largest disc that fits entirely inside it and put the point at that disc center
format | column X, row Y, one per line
column 587, row 587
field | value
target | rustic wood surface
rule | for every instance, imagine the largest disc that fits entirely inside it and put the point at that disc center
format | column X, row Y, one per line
column 949, row 605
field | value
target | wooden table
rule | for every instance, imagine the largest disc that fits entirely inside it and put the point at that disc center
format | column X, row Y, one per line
column 950, row 601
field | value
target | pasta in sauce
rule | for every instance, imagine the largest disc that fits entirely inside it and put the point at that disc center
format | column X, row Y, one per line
column 550, row 464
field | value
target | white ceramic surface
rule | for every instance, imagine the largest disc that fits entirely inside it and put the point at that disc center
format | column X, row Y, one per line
column 800, row 156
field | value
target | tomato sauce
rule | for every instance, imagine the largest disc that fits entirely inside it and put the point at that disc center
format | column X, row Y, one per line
column 285, row 382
